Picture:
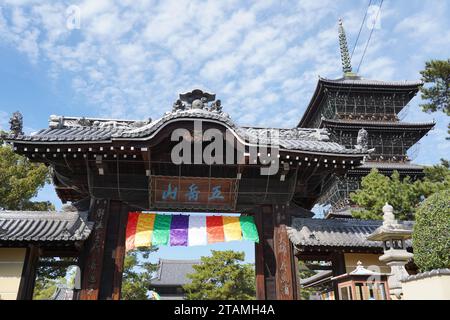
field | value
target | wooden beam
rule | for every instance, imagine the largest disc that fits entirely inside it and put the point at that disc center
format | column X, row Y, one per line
column 28, row 277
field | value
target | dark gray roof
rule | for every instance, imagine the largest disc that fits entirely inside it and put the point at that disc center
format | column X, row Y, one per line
column 341, row 213
column 62, row 293
column 78, row 130
column 350, row 233
column 390, row 166
column 354, row 81
column 428, row 274
column 388, row 125
column 317, row 278
column 43, row 226
column 173, row 272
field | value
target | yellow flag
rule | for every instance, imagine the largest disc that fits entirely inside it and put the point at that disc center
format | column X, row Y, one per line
column 144, row 230
column 232, row 228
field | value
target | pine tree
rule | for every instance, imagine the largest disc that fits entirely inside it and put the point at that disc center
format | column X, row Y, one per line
column 436, row 91
column 222, row 276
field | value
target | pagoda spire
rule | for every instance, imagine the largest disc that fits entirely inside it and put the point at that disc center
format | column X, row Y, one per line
column 345, row 56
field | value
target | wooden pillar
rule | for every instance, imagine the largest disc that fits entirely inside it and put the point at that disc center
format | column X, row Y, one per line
column 275, row 266
column 92, row 258
column 286, row 282
column 28, row 277
column 338, row 265
column 259, row 258
column 114, row 254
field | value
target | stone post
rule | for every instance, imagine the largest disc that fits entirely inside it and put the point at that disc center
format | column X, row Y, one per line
column 393, row 235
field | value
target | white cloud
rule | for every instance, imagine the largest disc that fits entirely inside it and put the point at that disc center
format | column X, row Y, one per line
column 131, row 58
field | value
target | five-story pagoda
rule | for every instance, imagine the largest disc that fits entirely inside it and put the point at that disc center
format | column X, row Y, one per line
column 365, row 112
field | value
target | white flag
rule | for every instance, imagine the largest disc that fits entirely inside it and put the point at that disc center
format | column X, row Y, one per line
column 197, row 231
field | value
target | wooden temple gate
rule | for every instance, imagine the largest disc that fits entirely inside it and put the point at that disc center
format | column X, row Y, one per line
column 112, row 167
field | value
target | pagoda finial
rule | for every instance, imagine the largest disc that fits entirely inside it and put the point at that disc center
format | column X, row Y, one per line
column 345, row 56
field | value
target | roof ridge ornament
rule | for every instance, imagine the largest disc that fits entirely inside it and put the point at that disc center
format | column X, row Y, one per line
column 197, row 100
column 345, row 56
column 362, row 140
column 16, row 124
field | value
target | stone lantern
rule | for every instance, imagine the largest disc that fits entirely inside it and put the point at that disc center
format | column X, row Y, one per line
column 393, row 235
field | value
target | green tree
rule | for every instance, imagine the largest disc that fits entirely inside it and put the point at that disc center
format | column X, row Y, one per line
column 50, row 274
column 20, row 180
column 436, row 91
column 304, row 273
column 403, row 194
column 138, row 271
column 431, row 235
column 222, row 276
column 377, row 189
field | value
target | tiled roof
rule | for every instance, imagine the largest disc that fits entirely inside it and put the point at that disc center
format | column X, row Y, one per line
column 368, row 82
column 62, row 293
column 174, row 272
column 43, row 226
column 318, row 277
column 390, row 125
column 354, row 83
column 341, row 213
column 350, row 233
column 79, row 130
column 427, row 274
column 390, row 166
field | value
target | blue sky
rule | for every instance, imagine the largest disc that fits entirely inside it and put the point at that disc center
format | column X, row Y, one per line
column 131, row 58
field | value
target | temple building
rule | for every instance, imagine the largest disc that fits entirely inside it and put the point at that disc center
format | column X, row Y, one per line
column 27, row 236
column 171, row 277
column 350, row 104
column 196, row 158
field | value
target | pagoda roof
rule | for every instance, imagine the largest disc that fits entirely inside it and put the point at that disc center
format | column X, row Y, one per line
column 359, row 81
column 388, row 166
column 342, row 233
column 358, row 84
column 24, row 226
column 80, row 130
column 380, row 125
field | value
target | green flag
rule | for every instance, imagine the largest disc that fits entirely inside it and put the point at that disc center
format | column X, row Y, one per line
column 249, row 231
column 161, row 230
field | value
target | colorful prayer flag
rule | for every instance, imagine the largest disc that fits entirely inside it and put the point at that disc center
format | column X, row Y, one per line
column 161, row 232
column 214, row 229
column 232, row 228
column 179, row 230
column 131, row 230
column 249, row 231
column 197, row 231
column 144, row 229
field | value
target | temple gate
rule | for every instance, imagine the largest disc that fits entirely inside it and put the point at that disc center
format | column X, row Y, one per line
column 112, row 167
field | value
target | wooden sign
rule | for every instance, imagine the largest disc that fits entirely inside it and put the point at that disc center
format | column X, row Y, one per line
column 193, row 193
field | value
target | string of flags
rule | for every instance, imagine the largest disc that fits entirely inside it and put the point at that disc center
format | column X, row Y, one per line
column 151, row 229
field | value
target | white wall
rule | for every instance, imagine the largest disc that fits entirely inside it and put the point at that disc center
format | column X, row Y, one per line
column 11, row 265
